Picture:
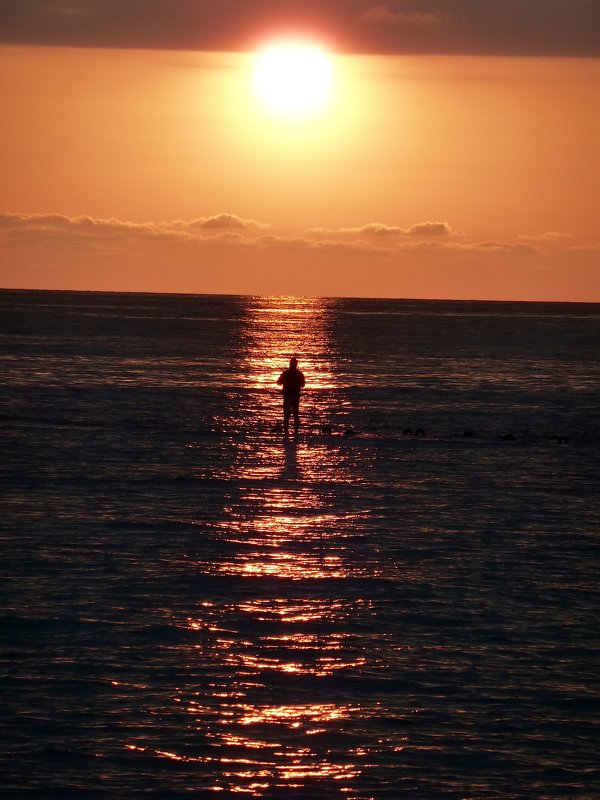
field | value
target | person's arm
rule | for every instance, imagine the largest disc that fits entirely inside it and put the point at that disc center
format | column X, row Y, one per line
column 280, row 378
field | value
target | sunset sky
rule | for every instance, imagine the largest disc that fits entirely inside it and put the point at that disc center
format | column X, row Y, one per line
column 455, row 155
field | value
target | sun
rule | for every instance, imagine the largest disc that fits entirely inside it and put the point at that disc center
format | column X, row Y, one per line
column 293, row 80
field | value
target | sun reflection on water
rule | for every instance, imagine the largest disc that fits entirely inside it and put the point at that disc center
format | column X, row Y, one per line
column 281, row 635
column 275, row 636
column 292, row 537
column 249, row 646
column 276, row 746
column 281, row 327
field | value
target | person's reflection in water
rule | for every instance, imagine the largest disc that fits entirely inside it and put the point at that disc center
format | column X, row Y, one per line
column 291, row 469
column 292, row 381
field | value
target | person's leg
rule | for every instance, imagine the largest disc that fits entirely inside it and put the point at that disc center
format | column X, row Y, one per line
column 287, row 409
column 296, row 409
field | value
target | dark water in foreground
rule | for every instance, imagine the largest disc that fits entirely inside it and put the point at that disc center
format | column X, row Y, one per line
column 193, row 606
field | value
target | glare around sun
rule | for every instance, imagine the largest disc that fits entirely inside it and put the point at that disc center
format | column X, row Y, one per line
column 293, row 81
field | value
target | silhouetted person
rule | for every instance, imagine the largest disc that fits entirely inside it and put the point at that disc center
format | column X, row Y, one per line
column 292, row 381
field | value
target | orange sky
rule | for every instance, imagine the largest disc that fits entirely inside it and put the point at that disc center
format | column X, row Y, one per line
column 424, row 176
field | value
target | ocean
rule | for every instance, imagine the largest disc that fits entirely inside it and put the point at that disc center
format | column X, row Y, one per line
column 399, row 602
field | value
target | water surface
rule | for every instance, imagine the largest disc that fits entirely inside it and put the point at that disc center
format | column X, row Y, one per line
column 195, row 605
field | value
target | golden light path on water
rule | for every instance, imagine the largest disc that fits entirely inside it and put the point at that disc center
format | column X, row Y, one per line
column 294, row 529
column 277, row 634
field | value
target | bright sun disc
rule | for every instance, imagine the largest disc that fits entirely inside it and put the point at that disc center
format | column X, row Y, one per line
column 293, row 80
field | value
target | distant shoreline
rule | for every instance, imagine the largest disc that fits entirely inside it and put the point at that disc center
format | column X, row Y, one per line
column 464, row 301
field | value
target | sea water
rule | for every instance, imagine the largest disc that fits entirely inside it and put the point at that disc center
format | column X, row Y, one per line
column 400, row 602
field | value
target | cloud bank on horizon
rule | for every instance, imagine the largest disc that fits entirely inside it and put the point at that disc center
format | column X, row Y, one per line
column 227, row 254
column 228, row 229
column 486, row 27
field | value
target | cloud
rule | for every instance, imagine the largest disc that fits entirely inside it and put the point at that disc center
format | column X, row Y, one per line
column 585, row 247
column 551, row 242
column 509, row 27
column 504, row 248
column 428, row 229
column 420, row 230
column 465, row 247
column 551, row 237
column 381, row 15
column 222, row 222
column 76, row 230
column 306, row 242
column 89, row 231
column 69, row 7
column 377, row 238
column 229, row 230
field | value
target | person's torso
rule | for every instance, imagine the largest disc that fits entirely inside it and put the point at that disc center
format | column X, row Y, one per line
column 293, row 380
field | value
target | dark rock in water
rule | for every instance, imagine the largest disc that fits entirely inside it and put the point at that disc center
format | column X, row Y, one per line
column 407, row 432
column 420, row 433
column 508, row 437
column 468, row 433
column 562, row 439
column 327, row 430
column 349, row 432
column 278, row 428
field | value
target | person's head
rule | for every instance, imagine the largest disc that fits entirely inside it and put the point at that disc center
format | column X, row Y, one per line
column 293, row 362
